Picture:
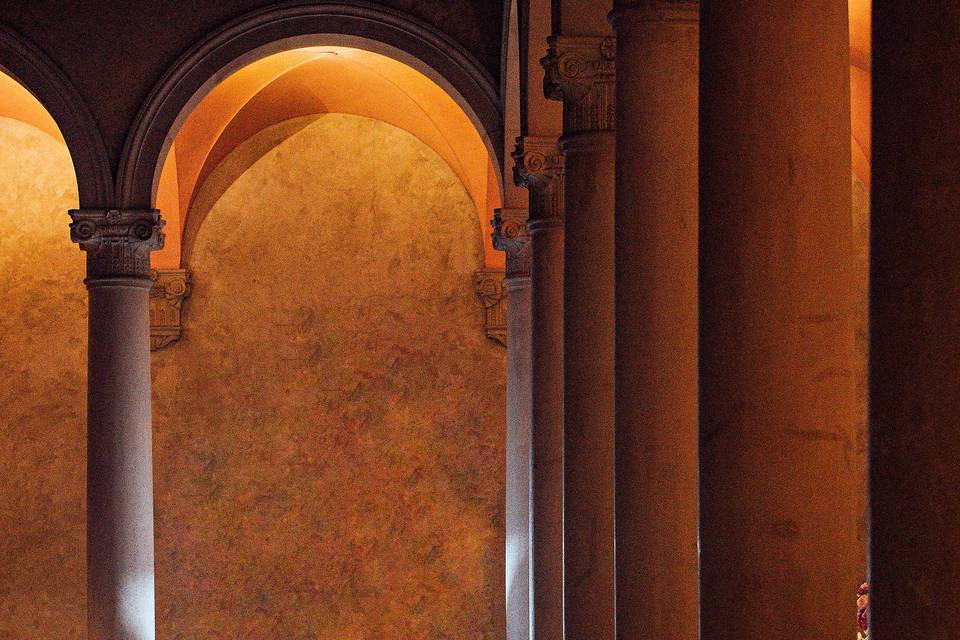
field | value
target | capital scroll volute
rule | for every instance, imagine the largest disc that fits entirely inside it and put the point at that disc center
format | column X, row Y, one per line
column 574, row 65
column 117, row 242
column 536, row 163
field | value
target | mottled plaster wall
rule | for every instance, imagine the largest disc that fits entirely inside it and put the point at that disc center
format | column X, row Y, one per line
column 42, row 398
column 329, row 434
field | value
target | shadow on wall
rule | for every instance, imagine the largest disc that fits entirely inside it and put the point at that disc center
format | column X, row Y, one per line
column 330, row 430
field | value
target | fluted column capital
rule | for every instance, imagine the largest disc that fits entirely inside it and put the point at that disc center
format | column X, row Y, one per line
column 117, row 242
column 581, row 71
column 539, row 167
column 681, row 11
column 510, row 236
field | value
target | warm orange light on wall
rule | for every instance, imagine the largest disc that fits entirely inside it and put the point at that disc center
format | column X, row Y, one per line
column 19, row 104
column 318, row 80
column 860, row 39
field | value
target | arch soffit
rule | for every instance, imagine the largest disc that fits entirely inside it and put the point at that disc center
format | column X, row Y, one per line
column 262, row 33
column 37, row 73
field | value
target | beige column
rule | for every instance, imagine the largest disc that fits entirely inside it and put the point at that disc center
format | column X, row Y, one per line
column 779, row 551
column 915, row 322
column 510, row 236
column 580, row 71
column 539, row 168
column 656, row 293
column 120, row 589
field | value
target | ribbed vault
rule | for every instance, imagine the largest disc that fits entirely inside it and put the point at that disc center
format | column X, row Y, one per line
column 310, row 81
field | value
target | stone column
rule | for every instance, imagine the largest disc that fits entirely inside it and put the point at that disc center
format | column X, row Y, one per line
column 915, row 322
column 779, row 551
column 510, row 236
column 120, row 596
column 539, row 168
column 580, row 71
column 656, row 293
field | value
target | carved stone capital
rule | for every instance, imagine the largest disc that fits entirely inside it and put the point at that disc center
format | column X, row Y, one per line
column 493, row 297
column 538, row 166
column 640, row 11
column 117, row 242
column 170, row 288
column 581, row 72
column 510, row 236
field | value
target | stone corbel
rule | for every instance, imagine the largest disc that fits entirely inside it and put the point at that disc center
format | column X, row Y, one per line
column 170, row 288
column 493, row 297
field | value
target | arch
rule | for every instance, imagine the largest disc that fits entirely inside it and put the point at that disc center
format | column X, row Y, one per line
column 294, row 25
column 29, row 66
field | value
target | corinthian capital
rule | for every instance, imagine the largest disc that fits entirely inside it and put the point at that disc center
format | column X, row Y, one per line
column 510, row 236
column 117, row 242
column 581, row 72
column 538, row 166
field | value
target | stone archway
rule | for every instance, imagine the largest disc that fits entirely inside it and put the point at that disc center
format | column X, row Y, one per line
column 264, row 32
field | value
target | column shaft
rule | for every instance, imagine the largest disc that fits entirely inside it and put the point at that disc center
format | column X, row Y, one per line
column 120, row 570
column 915, row 322
column 119, row 462
column 518, row 512
column 779, row 551
column 581, row 72
column 656, row 298
column 510, row 235
column 539, row 168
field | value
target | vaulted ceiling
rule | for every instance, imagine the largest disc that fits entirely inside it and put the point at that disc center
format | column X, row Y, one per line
column 308, row 81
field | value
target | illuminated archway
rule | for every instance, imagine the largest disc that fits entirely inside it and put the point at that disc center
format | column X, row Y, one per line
column 311, row 81
column 263, row 33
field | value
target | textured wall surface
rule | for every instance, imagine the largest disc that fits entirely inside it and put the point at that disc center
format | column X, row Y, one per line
column 329, row 432
column 42, row 398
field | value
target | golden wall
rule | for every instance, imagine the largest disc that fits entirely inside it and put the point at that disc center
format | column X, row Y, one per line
column 329, row 432
column 42, row 396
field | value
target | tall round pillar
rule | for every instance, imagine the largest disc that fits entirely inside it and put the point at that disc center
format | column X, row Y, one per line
column 580, row 71
column 510, row 236
column 539, row 168
column 915, row 322
column 656, row 312
column 779, row 550
column 120, row 570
